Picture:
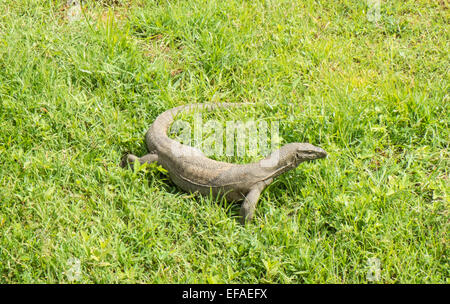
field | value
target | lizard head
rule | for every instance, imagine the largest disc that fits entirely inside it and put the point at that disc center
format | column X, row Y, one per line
column 300, row 152
column 291, row 155
column 306, row 151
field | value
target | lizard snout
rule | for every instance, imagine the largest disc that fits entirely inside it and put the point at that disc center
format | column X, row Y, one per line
column 321, row 153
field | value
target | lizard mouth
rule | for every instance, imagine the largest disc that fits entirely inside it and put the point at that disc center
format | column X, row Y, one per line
column 317, row 153
column 321, row 153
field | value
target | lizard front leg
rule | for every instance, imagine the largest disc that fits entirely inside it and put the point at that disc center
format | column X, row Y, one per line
column 251, row 199
column 130, row 158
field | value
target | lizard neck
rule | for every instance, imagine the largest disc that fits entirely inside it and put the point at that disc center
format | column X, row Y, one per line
column 278, row 162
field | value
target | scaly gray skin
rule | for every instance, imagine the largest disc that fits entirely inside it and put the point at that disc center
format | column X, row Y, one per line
column 192, row 171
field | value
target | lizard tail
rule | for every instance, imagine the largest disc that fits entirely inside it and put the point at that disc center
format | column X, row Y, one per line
column 162, row 123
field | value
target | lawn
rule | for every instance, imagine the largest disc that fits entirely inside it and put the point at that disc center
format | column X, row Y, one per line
column 369, row 86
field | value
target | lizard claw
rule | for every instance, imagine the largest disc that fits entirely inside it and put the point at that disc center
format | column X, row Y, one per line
column 124, row 161
column 127, row 159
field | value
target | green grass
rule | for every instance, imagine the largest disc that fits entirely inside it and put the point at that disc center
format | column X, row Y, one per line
column 75, row 96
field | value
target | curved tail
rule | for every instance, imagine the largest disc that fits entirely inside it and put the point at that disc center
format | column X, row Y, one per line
column 162, row 123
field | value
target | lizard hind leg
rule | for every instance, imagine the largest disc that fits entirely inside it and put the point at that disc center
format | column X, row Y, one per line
column 130, row 158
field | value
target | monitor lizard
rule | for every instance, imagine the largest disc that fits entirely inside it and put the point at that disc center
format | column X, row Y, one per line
column 192, row 171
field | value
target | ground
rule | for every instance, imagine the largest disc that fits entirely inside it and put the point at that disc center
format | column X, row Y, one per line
column 369, row 86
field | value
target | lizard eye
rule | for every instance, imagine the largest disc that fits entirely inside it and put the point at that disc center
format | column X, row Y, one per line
column 304, row 154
